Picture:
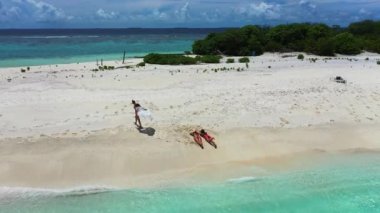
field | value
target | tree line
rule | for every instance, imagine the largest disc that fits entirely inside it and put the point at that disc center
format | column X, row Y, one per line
column 319, row 39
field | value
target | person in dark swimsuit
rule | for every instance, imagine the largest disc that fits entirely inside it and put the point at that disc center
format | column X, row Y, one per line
column 137, row 107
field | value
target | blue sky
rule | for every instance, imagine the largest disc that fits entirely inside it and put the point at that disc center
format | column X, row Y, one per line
column 180, row 13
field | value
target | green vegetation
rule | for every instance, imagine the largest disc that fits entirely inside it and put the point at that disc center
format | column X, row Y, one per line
column 175, row 59
column 244, row 60
column 346, row 43
column 318, row 39
column 230, row 61
column 300, row 56
column 141, row 64
column 168, row 59
column 209, row 59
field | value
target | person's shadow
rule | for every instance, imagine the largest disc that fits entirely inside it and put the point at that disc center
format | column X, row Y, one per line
column 148, row 131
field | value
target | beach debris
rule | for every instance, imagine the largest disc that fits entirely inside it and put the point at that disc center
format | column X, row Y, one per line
column 339, row 79
column 313, row 60
column 288, row 56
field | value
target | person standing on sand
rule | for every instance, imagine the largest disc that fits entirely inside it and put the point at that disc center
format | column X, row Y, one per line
column 137, row 107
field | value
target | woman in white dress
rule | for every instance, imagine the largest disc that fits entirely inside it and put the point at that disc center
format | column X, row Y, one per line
column 137, row 107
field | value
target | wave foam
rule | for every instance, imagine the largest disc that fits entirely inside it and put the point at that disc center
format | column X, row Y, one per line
column 14, row 193
column 242, row 179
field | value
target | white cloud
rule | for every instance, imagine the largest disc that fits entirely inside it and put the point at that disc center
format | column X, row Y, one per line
column 364, row 12
column 262, row 9
column 182, row 13
column 307, row 4
column 157, row 14
column 212, row 16
column 154, row 15
column 32, row 10
column 106, row 15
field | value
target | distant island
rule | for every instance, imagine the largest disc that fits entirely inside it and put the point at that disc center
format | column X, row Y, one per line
column 318, row 39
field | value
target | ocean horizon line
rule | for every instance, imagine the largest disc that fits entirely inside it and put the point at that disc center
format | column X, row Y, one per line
column 107, row 31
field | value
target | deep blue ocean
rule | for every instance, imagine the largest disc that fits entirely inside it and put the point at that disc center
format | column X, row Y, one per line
column 53, row 46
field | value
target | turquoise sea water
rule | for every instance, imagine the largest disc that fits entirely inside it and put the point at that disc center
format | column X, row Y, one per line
column 349, row 183
column 39, row 47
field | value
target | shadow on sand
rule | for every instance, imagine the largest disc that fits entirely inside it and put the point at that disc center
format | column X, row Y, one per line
column 148, row 131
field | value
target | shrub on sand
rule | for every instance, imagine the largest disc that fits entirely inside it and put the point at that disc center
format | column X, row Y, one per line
column 230, row 61
column 168, row 59
column 209, row 59
column 176, row 59
column 244, row 60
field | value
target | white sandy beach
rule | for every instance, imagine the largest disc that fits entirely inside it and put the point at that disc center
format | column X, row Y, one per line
column 65, row 125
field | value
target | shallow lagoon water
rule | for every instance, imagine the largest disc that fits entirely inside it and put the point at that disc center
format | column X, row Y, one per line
column 41, row 47
column 343, row 183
